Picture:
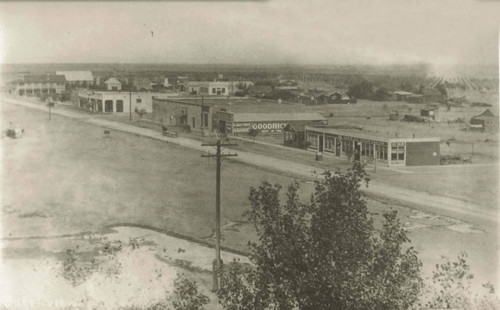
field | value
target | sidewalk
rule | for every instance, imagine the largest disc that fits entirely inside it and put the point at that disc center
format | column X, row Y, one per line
column 406, row 197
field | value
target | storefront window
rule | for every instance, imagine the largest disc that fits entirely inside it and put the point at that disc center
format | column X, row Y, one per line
column 330, row 143
column 397, row 152
column 381, row 151
column 312, row 138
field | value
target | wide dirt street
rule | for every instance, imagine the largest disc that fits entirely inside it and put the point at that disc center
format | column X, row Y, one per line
column 66, row 176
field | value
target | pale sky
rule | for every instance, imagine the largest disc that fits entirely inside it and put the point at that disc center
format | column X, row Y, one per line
column 440, row 32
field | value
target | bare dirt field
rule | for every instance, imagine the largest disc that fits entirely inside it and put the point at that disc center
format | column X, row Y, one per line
column 67, row 177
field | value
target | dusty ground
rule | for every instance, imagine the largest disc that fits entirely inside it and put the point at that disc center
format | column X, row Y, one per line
column 66, row 177
column 139, row 274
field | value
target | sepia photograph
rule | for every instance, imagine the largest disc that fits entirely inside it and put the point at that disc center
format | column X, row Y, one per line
column 249, row 155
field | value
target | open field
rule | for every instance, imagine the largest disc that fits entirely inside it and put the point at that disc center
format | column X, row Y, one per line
column 66, row 177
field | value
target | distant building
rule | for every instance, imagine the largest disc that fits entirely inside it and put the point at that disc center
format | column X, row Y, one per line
column 196, row 87
column 142, row 83
column 281, row 94
column 77, row 77
column 388, row 151
column 39, row 84
column 113, row 84
column 259, row 91
column 219, row 88
column 401, row 95
column 485, row 121
column 307, row 99
column 287, row 84
column 416, row 99
column 333, row 97
column 432, row 95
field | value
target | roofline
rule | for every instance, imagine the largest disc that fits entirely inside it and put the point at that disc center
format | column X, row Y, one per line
column 370, row 137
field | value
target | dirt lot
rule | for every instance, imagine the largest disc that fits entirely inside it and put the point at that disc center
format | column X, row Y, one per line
column 67, row 177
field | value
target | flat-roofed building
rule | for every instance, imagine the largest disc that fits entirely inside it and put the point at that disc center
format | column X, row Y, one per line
column 215, row 115
column 390, row 151
column 117, row 102
column 178, row 112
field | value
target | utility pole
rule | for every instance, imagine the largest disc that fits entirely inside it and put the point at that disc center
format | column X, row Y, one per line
column 130, row 105
column 202, row 118
column 217, row 266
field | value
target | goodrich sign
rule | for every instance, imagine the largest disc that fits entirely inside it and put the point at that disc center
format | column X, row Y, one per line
column 264, row 127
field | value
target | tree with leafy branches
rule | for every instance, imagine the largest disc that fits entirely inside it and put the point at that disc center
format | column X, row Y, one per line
column 325, row 254
column 450, row 288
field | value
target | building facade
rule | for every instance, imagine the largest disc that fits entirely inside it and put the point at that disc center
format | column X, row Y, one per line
column 30, row 85
column 117, row 102
column 219, row 89
column 196, row 114
column 374, row 149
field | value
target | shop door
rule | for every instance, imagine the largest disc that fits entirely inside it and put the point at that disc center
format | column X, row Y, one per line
column 108, row 106
column 320, row 146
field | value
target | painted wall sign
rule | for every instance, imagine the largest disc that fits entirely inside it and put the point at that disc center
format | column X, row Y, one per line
column 263, row 127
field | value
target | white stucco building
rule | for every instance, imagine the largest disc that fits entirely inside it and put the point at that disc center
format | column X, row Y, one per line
column 117, row 102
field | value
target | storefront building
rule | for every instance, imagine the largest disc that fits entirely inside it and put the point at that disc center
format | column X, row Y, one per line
column 180, row 112
column 116, row 102
column 374, row 149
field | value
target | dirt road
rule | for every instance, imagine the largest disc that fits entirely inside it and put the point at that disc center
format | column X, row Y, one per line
column 431, row 203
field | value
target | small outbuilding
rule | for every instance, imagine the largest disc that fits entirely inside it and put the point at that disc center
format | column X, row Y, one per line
column 113, row 84
column 485, row 121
